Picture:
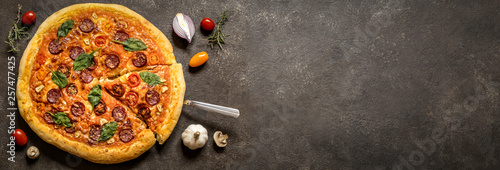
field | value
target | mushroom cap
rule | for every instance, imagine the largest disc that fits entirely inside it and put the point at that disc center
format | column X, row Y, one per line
column 32, row 152
column 220, row 139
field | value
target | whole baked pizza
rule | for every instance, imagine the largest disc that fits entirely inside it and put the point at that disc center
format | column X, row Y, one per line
column 101, row 82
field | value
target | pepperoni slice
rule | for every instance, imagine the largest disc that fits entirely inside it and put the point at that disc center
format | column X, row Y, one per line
column 119, row 113
column 117, row 90
column 53, row 95
column 131, row 98
column 100, row 108
column 121, row 36
column 144, row 111
column 78, row 109
column 100, row 40
column 133, row 80
column 112, row 61
column 126, row 135
column 139, row 59
column 72, row 89
column 87, row 25
column 48, row 118
column 64, row 69
column 55, row 47
column 71, row 129
column 86, row 76
column 75, row 51
column 152, row 97
column 95, row 132
column 93, row 66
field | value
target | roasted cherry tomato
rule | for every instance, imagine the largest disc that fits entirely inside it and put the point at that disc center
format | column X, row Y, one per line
column 134, row 80
column 20, row 137
column 207, row 24
column 28, row 18
column 153, row 59
column 131, row 98
column 100, row 40
column 198, row 59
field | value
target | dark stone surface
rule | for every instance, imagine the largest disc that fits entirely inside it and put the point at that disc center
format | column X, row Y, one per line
column 320, row 85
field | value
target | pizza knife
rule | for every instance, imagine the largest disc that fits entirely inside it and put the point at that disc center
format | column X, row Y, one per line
column 214, row 108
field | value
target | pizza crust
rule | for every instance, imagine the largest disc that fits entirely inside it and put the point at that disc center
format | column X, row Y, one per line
column 104, row 155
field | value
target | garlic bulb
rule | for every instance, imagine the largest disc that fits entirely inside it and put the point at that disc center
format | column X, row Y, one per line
column 183, row 26
column 195, row 136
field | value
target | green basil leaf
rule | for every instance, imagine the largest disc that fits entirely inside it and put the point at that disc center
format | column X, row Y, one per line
column 95, row 95
column 150, row 78
column 84, row 60
column 132, row 44
column 65, row 28
column 59, row 79
column 108, row 131
column 61, row 118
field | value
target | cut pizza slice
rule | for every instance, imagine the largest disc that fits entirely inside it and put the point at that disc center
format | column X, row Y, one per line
column 155, row 95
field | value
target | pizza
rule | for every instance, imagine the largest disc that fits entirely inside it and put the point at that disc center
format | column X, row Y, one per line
column 101, row 82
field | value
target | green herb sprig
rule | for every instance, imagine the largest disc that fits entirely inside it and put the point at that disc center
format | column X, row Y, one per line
column 132, row 44
column 150, row 78
column 84, row 60
column 59, row 79
column 65, row 27
column 61, row 118
column 95, row 95
column 218, row 36
column 108, row 131
column 16, row 33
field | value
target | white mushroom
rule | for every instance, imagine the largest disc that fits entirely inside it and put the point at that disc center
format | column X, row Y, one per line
column 220, row 139
column 32, row 152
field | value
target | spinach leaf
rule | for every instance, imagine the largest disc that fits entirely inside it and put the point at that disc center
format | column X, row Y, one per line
column 65, row 28
column 95, row 95
column 61, row 118
column 108, row 131
column 150, row 78
column 59, row 79
column 132, row 44
column 84, row 60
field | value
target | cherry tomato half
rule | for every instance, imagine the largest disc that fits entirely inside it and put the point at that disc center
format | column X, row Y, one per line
column 131, row 98
column 20, row 137
column 28, row 18
column 100, row 40
column 198, row 59
column 207, row 24
column 134, row 80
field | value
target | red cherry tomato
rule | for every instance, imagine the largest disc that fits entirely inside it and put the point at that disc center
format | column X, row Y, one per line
column 131, row 98
column 20, row 137
column 28, row 18
column 100, row 40
column 207, row 24
column 134, row 80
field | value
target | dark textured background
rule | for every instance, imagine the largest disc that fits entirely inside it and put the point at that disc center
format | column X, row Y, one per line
column 321, row 85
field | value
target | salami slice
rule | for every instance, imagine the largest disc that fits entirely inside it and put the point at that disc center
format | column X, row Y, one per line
column 48, row 118
column 75, row 51
column 126, row 135
column 152, row 97
column 139, row 59
column 100, row 108
column 86, row 76
column 121, row 36
column 117, row 90
column 112, row 61
column 119, row 113
column 53, row 95
column 71, row 129
column 78, row 109
column 86, row 26
column 55, row 47
column 95, row 132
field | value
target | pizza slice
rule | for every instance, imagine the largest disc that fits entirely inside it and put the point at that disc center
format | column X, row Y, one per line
column 154, row 95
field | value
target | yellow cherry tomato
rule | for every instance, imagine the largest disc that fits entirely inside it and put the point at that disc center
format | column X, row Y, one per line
column 198, row 59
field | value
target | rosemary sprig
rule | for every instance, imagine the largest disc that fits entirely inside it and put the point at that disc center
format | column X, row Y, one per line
column 218, row 36
column 16, row 33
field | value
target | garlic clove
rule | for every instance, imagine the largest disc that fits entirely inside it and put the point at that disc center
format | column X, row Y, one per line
column 183, row 26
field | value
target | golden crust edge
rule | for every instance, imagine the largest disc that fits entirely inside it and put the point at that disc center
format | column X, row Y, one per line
column 93, row 154
column 178, row 92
